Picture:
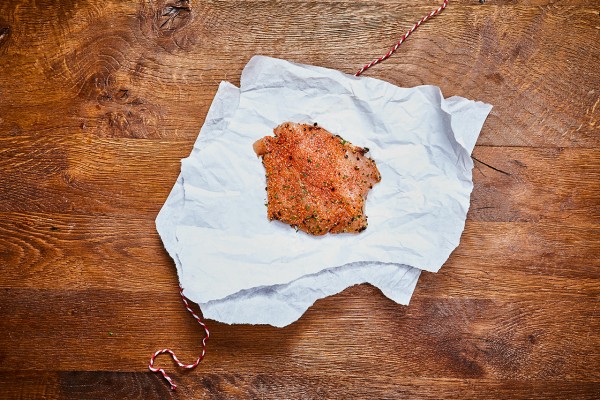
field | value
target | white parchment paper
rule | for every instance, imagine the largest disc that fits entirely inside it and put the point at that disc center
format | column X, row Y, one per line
column 242, row 268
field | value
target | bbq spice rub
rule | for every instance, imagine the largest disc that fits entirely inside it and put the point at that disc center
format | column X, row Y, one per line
column 317, row 182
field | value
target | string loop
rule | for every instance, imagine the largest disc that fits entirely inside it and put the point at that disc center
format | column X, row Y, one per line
column 151, row 366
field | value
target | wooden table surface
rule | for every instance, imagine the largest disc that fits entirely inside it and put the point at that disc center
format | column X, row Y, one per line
column 99, row 100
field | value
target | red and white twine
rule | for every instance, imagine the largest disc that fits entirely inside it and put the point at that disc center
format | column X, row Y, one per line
column 182, row 365
column 403, row 38
column 185, row 300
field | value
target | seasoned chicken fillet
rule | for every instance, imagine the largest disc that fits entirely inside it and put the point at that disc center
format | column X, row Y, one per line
column 316, row 181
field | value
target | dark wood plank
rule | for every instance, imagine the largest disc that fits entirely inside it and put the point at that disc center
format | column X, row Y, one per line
column 101, row 385
column 105, row 385
column 469, row 338
column 120, row 385
column 29, row 385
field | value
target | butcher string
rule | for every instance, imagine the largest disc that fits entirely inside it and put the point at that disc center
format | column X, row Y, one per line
column 403, row 38
column 182, row 365
column 185, row 300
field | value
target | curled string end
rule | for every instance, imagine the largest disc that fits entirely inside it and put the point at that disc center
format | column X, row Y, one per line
column 172, row 354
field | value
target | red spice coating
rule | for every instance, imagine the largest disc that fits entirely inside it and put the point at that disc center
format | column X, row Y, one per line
column 316, row 181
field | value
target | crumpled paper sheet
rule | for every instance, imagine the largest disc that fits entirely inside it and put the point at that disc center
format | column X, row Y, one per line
column 242, row 268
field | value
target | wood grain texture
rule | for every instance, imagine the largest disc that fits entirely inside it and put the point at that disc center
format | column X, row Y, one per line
column 83, row 385
column 307, row 386
column 494, row 258
column 100, row 100
column 113, row 71
column 467, row 337
column 29, row 385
